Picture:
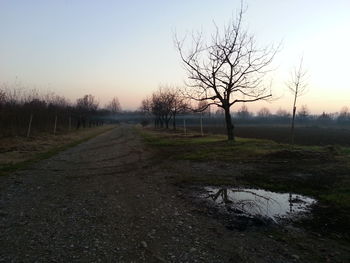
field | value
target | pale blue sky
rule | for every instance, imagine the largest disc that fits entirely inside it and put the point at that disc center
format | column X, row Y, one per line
column 125, row 48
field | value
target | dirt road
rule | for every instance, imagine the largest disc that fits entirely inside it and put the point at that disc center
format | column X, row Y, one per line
column 109, row 200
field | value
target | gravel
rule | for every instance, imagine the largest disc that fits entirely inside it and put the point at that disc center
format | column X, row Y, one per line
column 108, row 200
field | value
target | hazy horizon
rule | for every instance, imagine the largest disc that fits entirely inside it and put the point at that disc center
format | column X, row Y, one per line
column 112, row 48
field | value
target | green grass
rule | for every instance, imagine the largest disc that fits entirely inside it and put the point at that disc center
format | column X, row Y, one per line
column 216, row 147
column 173, row 139
column 322, row 172
column 344, row 150
column 341, row 198
column 273, row 163
column 227, row 151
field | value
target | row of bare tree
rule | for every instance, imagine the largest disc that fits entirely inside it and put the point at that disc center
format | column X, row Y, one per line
column 264, row 112
column 26, row 112
column 164, row 105
column 226, row 68
column 229, row 68
column 222, row 70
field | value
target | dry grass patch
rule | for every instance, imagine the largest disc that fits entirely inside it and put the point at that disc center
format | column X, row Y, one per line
column 17, row 152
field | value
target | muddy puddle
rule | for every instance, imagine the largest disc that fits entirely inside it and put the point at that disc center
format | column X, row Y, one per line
column 258, row 203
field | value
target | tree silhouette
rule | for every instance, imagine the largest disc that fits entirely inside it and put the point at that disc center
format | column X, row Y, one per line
column 228, row 69
column 297, row 85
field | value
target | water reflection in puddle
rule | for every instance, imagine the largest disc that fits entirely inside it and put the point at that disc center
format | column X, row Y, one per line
column 258, row 202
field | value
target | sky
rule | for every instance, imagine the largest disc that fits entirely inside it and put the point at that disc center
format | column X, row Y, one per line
column 126, row 48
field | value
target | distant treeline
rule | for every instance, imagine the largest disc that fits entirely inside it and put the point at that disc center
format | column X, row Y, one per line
column 302, row 118
column 167, row 104
column 216, row 119
column 29, row 112
column 26, row 112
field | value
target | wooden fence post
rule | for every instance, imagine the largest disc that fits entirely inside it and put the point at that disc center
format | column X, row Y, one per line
column 70, row 123
column 30, row 125
column 55, row 126
column 185, row 126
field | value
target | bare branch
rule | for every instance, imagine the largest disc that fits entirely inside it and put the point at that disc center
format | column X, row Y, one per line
column 227, row 69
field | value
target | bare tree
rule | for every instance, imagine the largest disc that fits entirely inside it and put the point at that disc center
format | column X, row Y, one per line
column 86, row 106
column 114, row 106
column 304, row 112
column 344, row 111
column 146, row 105
column 219, row 112
column 203, row 107
column 243, row 112
column 88, row 103
column 165, row 104
column 325, row 118
column 298, row 86
column 146, row 109
column 2, row 97
column 344, row 115
column 228, row 69
column 179, row 104
column 264, row 113
column 30, row 112
column 282, row 113
column 161, row 106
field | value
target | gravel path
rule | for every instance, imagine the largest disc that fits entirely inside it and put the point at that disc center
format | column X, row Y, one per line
column 108, row 200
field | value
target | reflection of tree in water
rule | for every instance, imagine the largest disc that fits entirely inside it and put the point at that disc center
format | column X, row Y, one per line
column 292, row 201
column 257, row 205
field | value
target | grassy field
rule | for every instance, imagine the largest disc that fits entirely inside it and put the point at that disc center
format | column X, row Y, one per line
column 19, row 152
column 303, row 135
column 318, row 171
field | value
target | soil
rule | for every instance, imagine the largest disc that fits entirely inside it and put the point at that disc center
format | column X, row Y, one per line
column 111, row 199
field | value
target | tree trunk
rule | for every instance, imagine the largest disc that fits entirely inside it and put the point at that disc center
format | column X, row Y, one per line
column 30, row 124
column 55, row 126
column 229, row 125
column 293, row 117
column 292, row 128
column 184, row 126
column 174, row 122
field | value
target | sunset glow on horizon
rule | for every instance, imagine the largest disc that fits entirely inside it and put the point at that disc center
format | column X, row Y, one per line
column 126, row 49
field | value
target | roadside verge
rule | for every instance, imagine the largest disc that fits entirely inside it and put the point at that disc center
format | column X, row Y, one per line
column 19, row 152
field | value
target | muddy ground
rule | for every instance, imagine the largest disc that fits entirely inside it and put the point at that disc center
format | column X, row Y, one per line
column 113, row 199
